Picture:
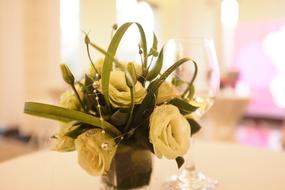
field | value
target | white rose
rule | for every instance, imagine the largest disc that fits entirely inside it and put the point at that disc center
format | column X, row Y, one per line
column 95, row 151
column 69, row 100
column 119, row 92
column 99, row 67
column 169, row 132
column 166, row 92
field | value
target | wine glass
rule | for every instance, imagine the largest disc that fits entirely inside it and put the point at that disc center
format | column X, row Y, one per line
column 206, row 86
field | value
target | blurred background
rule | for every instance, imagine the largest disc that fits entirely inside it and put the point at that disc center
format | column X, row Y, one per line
column 37, row 35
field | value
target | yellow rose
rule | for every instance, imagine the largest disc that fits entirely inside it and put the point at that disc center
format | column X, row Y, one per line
column 63, row 142
column 169, row 132
column 166, row 92
column 119, row 92
column 95, row 151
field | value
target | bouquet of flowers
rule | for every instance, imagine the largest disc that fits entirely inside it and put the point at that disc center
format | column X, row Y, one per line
column 118, row 107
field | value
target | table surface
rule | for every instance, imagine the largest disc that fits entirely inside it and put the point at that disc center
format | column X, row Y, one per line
column 235, row 167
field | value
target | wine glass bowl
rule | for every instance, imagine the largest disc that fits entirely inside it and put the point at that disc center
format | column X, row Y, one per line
column 200, row 92
column 207, row 80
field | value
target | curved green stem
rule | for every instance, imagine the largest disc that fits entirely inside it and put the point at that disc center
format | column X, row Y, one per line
column 89, row 56
column 195, row 71
column 87, row 41
column 193, row 78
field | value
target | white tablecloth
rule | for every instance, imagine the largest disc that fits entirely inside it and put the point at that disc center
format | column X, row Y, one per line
column 235, row 167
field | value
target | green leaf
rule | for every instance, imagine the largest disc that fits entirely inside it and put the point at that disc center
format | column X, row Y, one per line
column 143, row 46
column 108, row 61
column 191, row 92
column 155, row 70
column 184, row 107
column 143, row 43
column 180, row 161
column 145, row 109
column 187, row 92
column 154, row 43
column 120, row 117
column 78, row 131
column 66, row 115
column 195, row 126
column 130, row 75
column 89, row 98
column 153, row 49
column 88, row 83
column 155, row 84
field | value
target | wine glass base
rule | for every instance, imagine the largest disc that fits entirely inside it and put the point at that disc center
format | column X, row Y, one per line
column 190, row 180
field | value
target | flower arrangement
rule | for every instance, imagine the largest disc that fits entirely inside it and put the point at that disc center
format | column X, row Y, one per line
column 122, row 104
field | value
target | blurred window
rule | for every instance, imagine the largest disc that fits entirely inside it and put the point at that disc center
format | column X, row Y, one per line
column 70, row 33
column 134, row 11
column 230, row 12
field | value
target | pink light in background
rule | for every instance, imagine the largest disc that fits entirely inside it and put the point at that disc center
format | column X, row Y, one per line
column 256, row 67
column 274, row 45
column 261, row 135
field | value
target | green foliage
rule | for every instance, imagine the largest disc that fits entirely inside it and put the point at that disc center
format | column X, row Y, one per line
column 184, row 107
column 144, row 110
column 191, row 92
column 130, row 74
column 78, row 130
column 90, row 101
column 180, row 161
column 156, row 68
column 66, row 115
column 155, row 84
column 128, row 125
column 153, row 50
column 195, row 126
column 119, row 117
